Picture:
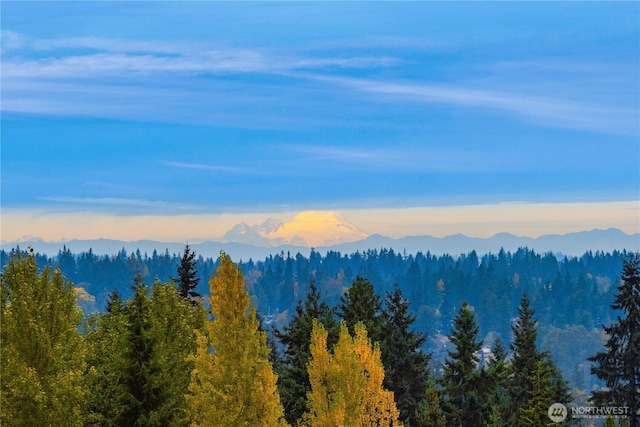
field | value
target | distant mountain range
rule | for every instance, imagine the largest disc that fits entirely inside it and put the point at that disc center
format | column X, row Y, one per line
column 250, row 245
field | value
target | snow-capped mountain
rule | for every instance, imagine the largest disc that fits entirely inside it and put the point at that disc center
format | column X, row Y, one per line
column 310, row 228
column 256, row 235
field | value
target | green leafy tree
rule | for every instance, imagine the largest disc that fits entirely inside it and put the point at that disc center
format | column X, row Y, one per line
column 42, row 353
column 461, row 380
column 187, row 279
column 233, row 383
column 619, row 364
column 293, row 383
column 406, row 365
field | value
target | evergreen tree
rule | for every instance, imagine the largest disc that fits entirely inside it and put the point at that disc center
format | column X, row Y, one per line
column 106, row 340
column 619, row 364
column 609, row 422
column 114, row 302
column 187, row 279
column 296, row 339
column 561, row 392
column 541, row 396
column 143, row 344
column 346, row 386
column 406, row 365
column 429, row 412
column 460, row 380
column 362, row 304
column 66, row 262
column 525, row 358
column 141, row 382
column 174, row 321
column 497, row 376
column 526, row 367
column 42, row 352
column 233, row 382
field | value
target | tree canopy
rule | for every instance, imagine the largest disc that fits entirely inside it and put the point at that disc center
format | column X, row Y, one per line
column 43, row 354
column 346, row 386
column 233, row 382
column 619, row 364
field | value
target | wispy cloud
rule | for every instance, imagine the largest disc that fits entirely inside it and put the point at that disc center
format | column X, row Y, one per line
column 115, row 64
column 341, row 154
column 201, row 166
column 132, row 78
column 215, row 61
column 553, row 111
column 112, row 45
column 196, row 83
column 117, row 57
column 115, row 202
column 407, row 158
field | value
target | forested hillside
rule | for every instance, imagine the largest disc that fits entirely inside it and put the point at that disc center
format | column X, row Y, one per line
column 355, row 357
column 571, row 296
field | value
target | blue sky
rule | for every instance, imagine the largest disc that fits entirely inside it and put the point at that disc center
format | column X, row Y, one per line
column 246, row 110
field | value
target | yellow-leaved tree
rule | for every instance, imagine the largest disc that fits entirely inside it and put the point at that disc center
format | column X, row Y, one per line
column 233, row 383
column 346, row 386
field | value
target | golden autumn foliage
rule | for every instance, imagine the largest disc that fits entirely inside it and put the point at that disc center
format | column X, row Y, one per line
column 346, row 386
column 233, row 383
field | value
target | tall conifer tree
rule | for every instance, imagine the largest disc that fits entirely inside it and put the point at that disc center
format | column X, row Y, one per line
column 106, row 340
column 142, row 397
column 187, row 279
column 460, row 381
column 619, row 364
column 362, row 304
column 139, row 348
column 174, row 322
column 525, row 358
column 527, row 364
column 497, row 383
column 406, row 365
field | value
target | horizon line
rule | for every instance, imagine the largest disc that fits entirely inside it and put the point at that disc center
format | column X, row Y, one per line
column 192, row 242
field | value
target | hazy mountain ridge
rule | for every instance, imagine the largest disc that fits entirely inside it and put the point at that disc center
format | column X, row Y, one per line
column 573, row 244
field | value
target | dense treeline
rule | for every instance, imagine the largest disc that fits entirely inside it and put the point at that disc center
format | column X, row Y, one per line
column 159, row 358
column 571, row 295
column 435, row 285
